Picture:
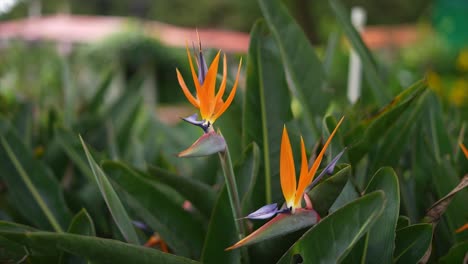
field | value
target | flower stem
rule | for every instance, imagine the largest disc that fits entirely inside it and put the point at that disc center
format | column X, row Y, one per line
column 231, row 187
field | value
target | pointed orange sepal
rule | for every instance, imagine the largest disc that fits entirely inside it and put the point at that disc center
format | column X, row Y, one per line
column 464, row 149
column 287, row 169
column 304, row 182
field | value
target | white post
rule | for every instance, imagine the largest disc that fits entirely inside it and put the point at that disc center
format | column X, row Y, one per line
column 34, row 9
column 358, row 19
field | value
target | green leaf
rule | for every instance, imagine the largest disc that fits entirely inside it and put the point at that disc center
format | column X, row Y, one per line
column 381, row 236
column 326, row 192
column 221, row 233
column 177, row 227
column 95, row 249
column 70, row 145
column 302, row 66
column 82, row 224
column 98, row 98
column 247, row 170
column 266, row 110
column 35, row 192
column 364, row 136
column 369, row 66
column 199, row 194
column 457, row 254
column 331, row 239
column 402, row 222
column 116, row 208
column 412, row 242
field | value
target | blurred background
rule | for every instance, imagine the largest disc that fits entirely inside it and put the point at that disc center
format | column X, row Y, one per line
column 410, row 40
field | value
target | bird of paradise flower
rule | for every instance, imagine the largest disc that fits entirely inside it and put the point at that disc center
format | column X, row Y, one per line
column 210, row 103
column 293, row 194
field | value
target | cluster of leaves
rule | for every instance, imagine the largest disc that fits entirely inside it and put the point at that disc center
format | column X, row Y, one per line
column 98, row 198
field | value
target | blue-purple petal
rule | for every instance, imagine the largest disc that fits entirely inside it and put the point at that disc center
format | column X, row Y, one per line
column 264, row 212
column 328, row 170
column 199, row 123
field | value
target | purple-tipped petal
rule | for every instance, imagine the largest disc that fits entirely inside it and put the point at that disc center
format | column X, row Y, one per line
column 264, row 212
column 328, row 170
column 199, row 123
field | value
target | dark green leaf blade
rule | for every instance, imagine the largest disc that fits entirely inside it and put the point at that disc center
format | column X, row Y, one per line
column 118, row 212
column 33, row 188
column 179, row 228
column 301, row 64
column 199, row 194
column 412, row 242
column 266, row 110
column 369, row 65
column 95, row 249
column 331, row 239
column 326, row 192
column 381, row 236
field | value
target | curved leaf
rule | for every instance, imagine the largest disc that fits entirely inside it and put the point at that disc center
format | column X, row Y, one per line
column 326, row 192
column 369, row 65
column 266, row 110
column 457, row 254
column 177, row 227
column 331, row 239
column 199, row 194
column 381, row 236
column 302, row 66
column 95, row 249
column 412, row 242
column 35, row 192
column 116, row 208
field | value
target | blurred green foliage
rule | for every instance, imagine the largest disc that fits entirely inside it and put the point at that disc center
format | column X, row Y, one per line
column 63, row 200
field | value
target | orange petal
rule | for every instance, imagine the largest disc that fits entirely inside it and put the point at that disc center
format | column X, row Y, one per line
column 310, row 176
column 287, row 169
column 304, row 171
column 186, row 91
column 464, row 149
column 462, row 228
column 207, row 107
column 231, row 95
column 222, row 88
column 192, row 69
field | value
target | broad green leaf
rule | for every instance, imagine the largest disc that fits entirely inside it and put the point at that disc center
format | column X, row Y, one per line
column 398, row 137
column 402, row 222
column 35, row 192
column 364, row 136
column 82, row 224
column 115, row 206
column 177, row 227
column 412, row 242
column 369, row 65
column 95, row 249
column 302, row 67
column 221, row 233
column 281, row 224
column 381, row 236
column 326, row 192
column 457, row 254
column 333, row 237
column 199, row 194
column 266, row 110
column 347, row 195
